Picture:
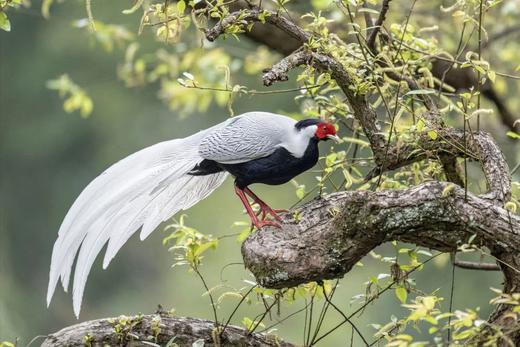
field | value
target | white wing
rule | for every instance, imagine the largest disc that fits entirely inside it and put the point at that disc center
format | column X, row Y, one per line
column 140, row 191
column 249, row 136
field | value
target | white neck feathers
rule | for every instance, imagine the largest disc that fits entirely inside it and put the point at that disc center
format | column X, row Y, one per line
column 297, row 141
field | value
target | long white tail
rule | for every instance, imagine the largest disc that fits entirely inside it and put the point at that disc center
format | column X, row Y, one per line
column 140, row 191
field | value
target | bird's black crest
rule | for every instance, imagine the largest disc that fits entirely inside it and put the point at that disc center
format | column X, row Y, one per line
column 306, row 122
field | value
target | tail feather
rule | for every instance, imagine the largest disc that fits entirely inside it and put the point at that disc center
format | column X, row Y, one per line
column 141, row 191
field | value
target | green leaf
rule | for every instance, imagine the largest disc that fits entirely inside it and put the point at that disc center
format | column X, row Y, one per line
column 331, row 159
column 429, row 302
column 300, row 191
column 243, row 235
column 420, row 125
column 492, row 75
column 4, row 22
column 46, row 5
column 446, row 191
column 513, row 135
column 401, row 294
column 181, row 6
column 511, row 206
column 432, row 134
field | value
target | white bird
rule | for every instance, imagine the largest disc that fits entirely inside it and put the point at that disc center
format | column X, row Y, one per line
column 150, row 186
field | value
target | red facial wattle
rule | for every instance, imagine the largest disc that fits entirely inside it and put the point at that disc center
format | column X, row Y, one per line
column 325, row 129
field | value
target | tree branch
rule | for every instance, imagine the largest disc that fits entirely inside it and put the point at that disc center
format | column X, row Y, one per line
column 330, row 235
column 272, row 36
column 450, row 142
column 333, row 233
column 365, row 114
column 158, row 329
column 469, row 265
column 371, row 41
column 256, row 15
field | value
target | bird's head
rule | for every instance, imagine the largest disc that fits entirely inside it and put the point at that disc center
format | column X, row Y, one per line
column 318, row 129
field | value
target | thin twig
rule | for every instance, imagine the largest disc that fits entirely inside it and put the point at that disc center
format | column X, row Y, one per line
column 452, row 292
column 479, row 82
column 236, row 308
column 284, row 319
column 213, row 306
column 264, row 314
column 346, row 318
column 369, row 301
column 469, row 265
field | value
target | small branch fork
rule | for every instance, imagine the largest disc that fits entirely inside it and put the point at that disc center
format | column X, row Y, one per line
column 333, row 233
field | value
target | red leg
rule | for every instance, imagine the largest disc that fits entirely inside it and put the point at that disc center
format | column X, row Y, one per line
column 258, row 224
column 264, row 208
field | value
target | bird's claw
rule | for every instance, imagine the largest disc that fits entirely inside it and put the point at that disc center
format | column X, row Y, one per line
column 266, row 210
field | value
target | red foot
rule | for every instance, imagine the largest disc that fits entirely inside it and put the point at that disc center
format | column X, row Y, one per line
column 264, row 209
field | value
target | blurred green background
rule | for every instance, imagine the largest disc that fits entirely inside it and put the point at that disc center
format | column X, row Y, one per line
column 48, row 156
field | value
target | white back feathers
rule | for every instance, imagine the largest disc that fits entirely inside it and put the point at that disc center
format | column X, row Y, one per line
column 140, row 191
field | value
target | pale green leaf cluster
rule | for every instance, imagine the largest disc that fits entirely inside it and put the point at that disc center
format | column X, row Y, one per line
column 5, row 5
column 76, row 98
column 188, row 244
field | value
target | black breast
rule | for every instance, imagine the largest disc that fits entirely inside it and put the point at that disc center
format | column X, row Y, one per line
column 278, row 168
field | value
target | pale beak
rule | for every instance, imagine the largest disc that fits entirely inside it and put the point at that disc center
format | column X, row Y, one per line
column 334, row 138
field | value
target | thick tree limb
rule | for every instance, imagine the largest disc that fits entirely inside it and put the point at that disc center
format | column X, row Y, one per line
column 450, row 142
column 333, row 233
column 155, row 328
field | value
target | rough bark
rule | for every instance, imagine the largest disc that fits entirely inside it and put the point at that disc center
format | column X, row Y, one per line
column 158, row 329
column 333, row 233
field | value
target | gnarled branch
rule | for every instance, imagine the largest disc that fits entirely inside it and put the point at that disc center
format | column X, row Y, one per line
column 257, row 15
column 333, row 233
column 157, row 329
